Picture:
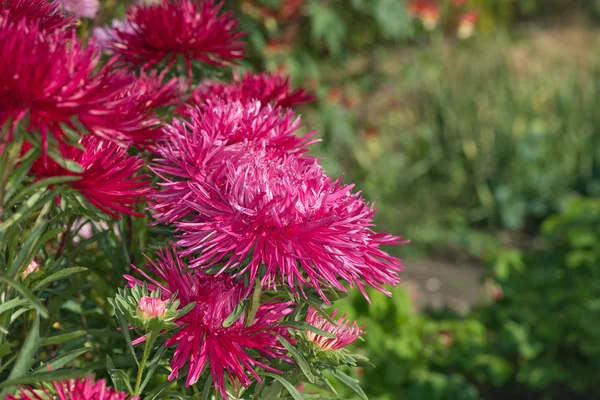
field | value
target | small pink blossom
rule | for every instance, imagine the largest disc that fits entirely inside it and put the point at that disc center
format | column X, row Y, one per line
column 346, row 333
column 31, row 268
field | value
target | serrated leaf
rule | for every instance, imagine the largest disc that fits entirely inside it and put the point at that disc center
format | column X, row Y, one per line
column 350, row 382
column 63, row 273
column 27, row 294
column 58, row 339
column 61, row 360
column 299, row 358
column 286, row 384
column 48, row 376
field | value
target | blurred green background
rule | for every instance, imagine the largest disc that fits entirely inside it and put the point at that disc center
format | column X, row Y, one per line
column 474, row 125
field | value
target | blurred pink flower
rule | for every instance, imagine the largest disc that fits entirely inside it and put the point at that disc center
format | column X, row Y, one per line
column 44, row 13
column 236, row 349
column 78, row 389
column 192, row 29
column 346, row 333
column 81, row 8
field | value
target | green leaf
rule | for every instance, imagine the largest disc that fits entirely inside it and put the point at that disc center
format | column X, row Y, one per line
column 235, row 315
column 41, row 184
column 125, row 332
column 34, row 242
column 119, row 377
column 28, row 208
column 305, row 326
column 66, row 163
column 14, row 303
column 350, row 382
column 58, row 339
column 321, row 312
column 153, row 365
column 27, row 354
column 20, row 172
column 207, row 389
column 60, row 361
column 27, row 294
column 289, row 387
column 48, row 376
column 254, row 303
column 59, row 275
column 302, row 363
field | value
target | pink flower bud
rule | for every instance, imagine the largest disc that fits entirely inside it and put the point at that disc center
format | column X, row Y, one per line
column 151, row 307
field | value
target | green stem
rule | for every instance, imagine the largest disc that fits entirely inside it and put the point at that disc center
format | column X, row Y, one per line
column 140, row 374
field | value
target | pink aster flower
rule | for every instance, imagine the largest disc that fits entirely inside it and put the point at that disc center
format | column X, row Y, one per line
column 44, row 13
column 81, row 8
column 194, row 149
column 345, row 333
column 110, row 179
column 77, row 389
column 288, row 219
column 51, row 79
column 232, row 352
column 192, row 29
column 267, row 88
column 31, row 268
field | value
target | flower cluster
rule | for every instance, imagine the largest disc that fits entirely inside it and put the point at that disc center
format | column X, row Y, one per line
column 256, row 230
column 205, row 337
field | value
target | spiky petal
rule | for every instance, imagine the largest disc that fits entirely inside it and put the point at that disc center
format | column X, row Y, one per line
column 78, row 389
column 110, row 179
column 345, row 332
column 196, row 31
column 202, row 338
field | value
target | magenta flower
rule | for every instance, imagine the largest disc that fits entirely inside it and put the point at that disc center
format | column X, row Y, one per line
column 81, row 8
column 346, row 333
column 276, row 210
column 194, row 149
column 267, row 88
column 51, row 79
column 78, row 389
column 151, row 307
column 44, row 13
column 192, row 29
column 110, row 179
column 232, row 352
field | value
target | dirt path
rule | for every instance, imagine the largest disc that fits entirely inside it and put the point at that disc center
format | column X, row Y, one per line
column 436, row 285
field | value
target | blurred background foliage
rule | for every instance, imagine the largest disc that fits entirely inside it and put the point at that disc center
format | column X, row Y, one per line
column 474, row 125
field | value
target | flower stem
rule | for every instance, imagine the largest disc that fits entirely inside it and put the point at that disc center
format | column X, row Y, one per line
column 140, row 374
